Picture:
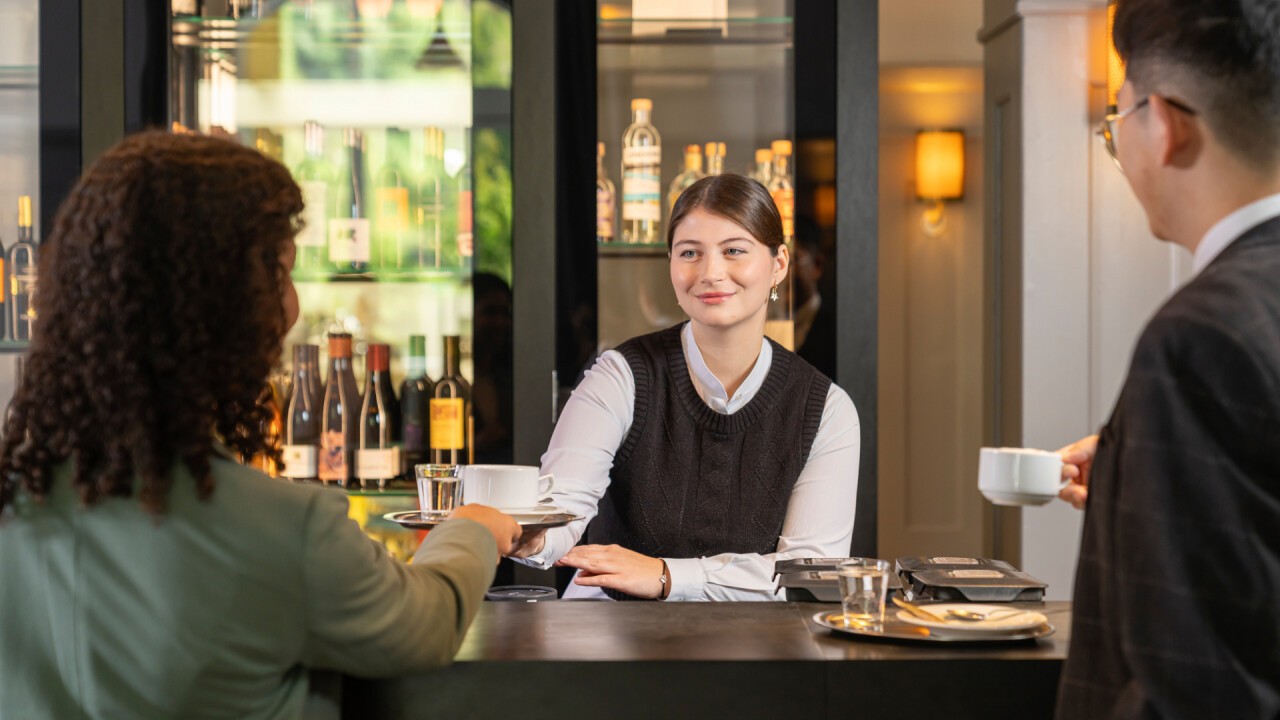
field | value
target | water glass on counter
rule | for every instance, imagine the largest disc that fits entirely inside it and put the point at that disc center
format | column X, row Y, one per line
column 864, row 584
column 439, row 488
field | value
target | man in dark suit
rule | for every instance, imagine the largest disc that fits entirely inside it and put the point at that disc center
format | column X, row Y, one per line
column 1177, row 596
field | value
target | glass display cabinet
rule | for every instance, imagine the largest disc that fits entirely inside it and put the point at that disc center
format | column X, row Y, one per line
column 396, row 125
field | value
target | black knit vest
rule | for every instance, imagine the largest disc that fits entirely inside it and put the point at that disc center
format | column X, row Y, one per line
column 691, row 482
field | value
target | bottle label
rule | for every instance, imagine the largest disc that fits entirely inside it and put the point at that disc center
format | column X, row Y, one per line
column 785, row 199
column 349, row 240
column 315, row 194
column 604, row 214
column 377, row 464
column 643, row 155
column 393, row 209
column 333, row 456
column 448, row 424
column 641, row 196
column 465, row 240
column 300, row 461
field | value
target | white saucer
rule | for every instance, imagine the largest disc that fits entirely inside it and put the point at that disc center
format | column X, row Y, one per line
column 1015, row 499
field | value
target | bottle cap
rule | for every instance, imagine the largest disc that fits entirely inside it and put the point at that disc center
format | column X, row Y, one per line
column 313, row 137
column 339, row 345
column 379, row 357
column 417, row 346
column 763, row 155
column 353, row 138
column 692, row 150
column 720, row 149
column 711, row 149
column 599, row 149
column 24, row 211
column 641, row 104
column 781, row 147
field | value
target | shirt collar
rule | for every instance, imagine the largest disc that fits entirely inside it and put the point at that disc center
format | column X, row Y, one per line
column 709, row 386
column 1230, row 228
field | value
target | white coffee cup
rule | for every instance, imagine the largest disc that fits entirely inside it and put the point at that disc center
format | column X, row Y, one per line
column 505, row 486
column 1019, row 476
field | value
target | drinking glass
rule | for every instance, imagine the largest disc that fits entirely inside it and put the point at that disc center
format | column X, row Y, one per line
column 439, row 488
column 864, row 583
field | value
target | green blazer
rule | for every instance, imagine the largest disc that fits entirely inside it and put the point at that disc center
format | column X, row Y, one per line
column 217, row 608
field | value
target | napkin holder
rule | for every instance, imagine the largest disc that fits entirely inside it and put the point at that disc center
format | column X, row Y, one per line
column 960, row 579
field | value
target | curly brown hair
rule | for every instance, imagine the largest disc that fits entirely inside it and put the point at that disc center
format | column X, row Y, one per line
column 160, row 314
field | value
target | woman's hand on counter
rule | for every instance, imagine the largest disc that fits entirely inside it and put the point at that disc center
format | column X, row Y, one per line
column 529, row 544
column 1077, row 461
column 617, row 568
column 505, row 530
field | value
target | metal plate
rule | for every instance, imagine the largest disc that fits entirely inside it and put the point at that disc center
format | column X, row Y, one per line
column 417, row 520
column 893, row 629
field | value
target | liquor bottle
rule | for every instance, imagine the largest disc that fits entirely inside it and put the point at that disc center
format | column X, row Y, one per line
column 317, row 179
column 715, row 158
column 451, row 428
column 415, row 403
column 692, row 173
column 465, row 242
column 391, row 205
column 349, row 242
column 21, row 262
column 763, row 172
column 429, row 200
column 339, row 421
column 781, row 188
column 378, row 459
column 641, row 177
column 4, row 295
column 606, row 199
column 301, row 450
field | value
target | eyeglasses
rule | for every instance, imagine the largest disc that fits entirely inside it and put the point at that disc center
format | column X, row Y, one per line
column 1106, row 130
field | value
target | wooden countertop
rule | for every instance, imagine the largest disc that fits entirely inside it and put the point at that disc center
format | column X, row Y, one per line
column 569, row 659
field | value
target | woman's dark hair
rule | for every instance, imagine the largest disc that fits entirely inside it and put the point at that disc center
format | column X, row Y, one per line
column 159, row 316
column 1220, row 56
column 736, row 198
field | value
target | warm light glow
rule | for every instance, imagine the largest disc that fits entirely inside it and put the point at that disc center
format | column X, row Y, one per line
column 940, row 164
column 1115, row 68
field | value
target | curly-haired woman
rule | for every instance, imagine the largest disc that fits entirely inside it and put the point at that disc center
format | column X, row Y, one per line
column 143, row 572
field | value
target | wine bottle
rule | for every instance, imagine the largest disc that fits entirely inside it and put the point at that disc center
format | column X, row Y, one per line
column 378, row 459
column 692, row 173
column 606, row 200
column 392, row 201
column 451, row 428
column 339, row 421
column 302, row 424
column 415, row 398
column 21, row 264
column 429, row 207
column 641, row 177
column 317, row 178
column 349, row 241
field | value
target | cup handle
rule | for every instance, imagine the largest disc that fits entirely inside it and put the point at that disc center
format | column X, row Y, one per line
column 545, row 492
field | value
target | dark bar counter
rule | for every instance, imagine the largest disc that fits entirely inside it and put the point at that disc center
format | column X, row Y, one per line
column 659, row 661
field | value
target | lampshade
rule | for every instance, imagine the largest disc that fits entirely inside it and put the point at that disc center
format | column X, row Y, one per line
column 1115, row 68
column 940, row 164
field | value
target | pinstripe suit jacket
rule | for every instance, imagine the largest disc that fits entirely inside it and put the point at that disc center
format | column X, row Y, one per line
column 1177, row 595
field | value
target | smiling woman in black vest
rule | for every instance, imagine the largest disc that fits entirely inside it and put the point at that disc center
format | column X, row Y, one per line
column 701, row 454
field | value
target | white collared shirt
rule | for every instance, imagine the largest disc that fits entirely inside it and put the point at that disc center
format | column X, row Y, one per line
column 597, row 418
column 1230, row 228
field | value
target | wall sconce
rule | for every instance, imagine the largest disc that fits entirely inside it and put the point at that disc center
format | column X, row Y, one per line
column 939, row 174
column 1115, row 68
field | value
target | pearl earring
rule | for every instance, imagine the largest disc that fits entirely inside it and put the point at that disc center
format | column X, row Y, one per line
column 773, row 293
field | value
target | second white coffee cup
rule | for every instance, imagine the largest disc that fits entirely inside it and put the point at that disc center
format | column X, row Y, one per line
column 1019, row 476
column 505, row 486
